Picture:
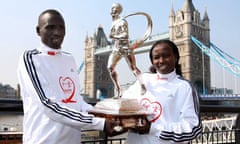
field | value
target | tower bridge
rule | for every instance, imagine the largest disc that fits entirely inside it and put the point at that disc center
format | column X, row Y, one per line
column 183, row 23
column 189, row 31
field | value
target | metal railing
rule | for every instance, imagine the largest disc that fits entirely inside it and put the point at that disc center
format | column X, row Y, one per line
column 211, row 137
column 210, row 109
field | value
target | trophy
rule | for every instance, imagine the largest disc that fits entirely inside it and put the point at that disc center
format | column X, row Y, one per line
column 128, row 112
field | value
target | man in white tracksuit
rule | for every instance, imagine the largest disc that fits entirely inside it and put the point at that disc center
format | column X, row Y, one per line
column 171, row 101
column 54, row 110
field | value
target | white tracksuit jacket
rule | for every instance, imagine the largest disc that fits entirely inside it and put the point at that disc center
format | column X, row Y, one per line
column 54, row 110
column 174, row 105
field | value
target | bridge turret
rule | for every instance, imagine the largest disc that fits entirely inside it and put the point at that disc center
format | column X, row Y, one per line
column 188, row 10
column 171, row 22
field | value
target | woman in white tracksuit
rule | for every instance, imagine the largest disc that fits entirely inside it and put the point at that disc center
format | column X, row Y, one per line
column 171, row 100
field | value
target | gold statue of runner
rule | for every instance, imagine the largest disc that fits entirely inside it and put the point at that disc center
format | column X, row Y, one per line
column 122, row 48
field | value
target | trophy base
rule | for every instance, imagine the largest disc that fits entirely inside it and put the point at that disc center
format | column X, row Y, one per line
column 125, row 119
column 128, row 113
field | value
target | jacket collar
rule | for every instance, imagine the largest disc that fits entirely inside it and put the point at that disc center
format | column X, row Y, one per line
column 49, row 51
column 166, row 77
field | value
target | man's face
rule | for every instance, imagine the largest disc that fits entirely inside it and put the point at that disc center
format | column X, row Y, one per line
column 51, row 29
column 163, row 58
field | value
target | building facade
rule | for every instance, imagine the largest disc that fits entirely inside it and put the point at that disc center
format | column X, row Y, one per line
column 6, row 91
column 195, row 65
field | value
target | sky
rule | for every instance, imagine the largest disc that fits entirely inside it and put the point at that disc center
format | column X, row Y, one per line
column 19, row 20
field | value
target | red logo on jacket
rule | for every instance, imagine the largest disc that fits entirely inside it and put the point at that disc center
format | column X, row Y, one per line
column 68, row 87
column 155, row 108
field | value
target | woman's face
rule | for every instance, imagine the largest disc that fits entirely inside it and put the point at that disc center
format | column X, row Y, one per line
column 163, row 58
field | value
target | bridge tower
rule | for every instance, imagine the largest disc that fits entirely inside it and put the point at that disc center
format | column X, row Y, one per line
column 97, row 80
column 194, row 64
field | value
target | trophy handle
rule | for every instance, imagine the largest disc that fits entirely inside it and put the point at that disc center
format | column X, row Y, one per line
column 148, row 31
